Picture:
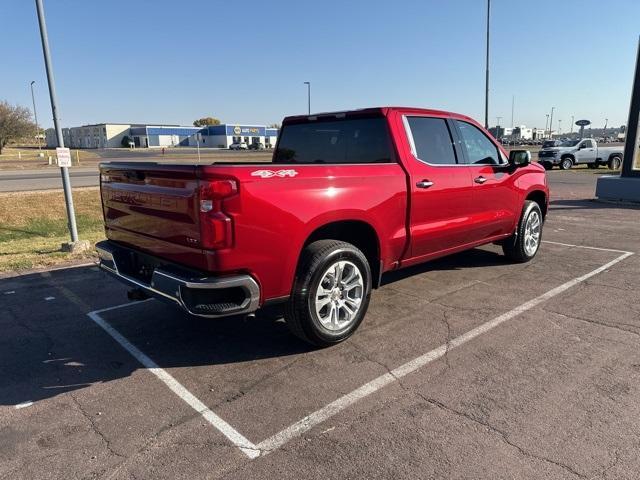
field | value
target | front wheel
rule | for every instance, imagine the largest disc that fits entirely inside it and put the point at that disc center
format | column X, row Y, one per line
column 566, row 163
column 524, row 244
column 331, row 293
column 615, row 162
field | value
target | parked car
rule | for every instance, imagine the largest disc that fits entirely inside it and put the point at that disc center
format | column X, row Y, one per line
column 348, row 196
column 568, row 153
column 256, row 146
column 238, row 146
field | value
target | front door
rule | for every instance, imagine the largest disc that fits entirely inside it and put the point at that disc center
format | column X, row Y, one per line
column 495, row 200
column 586, row 152
column 440, row 186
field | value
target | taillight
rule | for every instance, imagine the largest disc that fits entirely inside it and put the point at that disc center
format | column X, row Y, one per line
column 216, row 228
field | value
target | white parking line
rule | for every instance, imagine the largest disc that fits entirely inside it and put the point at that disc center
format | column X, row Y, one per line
column 307, row 423
column 235, row 437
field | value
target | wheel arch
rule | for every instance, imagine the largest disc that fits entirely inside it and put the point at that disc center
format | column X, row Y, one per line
column 360, row 234
column 540, row 197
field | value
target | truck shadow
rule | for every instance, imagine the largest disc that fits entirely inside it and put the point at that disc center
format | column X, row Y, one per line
column 468, row 259
column 589, row 204
column 49, row 346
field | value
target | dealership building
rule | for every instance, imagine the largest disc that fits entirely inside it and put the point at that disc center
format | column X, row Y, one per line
column 110, row 135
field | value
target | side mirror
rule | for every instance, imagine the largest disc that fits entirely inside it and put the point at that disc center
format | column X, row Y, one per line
column 519, row 158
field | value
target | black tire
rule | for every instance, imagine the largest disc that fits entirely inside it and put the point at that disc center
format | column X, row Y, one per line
column 300, row 312
column 514, row 247
column 566, row 163
column 615, row 162
column 547, row 165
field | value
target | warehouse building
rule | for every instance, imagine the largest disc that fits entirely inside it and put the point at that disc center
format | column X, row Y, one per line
column 221, row 136
column 110, row 135
column 164, row 136
column 99, row 135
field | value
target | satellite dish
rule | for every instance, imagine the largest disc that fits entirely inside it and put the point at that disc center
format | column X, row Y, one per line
column 583, row 123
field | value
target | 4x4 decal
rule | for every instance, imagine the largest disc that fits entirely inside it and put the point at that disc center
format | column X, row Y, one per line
column 274, row 173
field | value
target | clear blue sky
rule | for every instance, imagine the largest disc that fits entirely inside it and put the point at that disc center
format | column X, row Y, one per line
column 172, row 62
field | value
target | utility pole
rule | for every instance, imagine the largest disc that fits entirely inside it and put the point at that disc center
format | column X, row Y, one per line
column 486, row 89
column 551, row 123
column 64, row 171
column 35, row 114
column 513, row 101
column 308, row 84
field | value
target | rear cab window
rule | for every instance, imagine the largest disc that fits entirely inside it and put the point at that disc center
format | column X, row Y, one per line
column 335, row 140
column 431, row 140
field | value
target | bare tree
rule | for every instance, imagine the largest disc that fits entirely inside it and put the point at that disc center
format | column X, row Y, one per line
column 15, row 122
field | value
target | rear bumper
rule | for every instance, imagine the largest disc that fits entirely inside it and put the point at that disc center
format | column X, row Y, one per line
column 203, row 296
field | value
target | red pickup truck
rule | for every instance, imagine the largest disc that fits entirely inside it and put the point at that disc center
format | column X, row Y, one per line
column 347, row 197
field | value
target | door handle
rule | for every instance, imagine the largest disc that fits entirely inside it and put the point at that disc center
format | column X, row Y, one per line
column 480, row 179
column 424, row 184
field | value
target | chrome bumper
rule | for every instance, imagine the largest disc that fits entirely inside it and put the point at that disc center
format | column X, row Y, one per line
column 210, row 297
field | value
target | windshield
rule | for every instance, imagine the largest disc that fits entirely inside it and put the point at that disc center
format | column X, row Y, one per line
column 550, row 143
column 570, row 143
column 355, row 140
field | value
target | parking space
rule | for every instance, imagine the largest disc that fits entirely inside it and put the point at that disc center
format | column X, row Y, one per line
column 466, row 367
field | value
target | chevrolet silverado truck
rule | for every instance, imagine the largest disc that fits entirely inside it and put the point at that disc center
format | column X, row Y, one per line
column 568, row 153
column 347, row 197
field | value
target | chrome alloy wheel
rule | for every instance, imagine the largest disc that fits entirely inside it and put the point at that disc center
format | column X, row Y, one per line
column 339, row 295
column 532, row 231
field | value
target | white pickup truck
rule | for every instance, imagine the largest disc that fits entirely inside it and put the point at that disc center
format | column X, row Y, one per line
column 568, row 153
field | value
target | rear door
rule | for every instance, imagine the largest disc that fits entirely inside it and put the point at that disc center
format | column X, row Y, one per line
column 440, row 187
column 495, row 200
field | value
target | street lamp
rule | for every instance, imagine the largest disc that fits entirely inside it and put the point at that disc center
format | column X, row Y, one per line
column 551, row 123
column 64, row 171
column 486, row 87
column 35, row 114
column 308, row 84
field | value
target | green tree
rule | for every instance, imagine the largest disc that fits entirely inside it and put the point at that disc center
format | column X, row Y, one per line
column 204, row 121
column 15, row 122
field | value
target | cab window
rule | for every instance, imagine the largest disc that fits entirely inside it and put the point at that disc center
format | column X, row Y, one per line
column 480, row 150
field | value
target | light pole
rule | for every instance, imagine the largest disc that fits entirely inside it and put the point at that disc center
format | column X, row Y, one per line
column 551, row 123
column 35, row 114
column 66, row 184
column 308, row 84
column 498, row 127
column 571, row 124
column 559, row 126
column 606, row 122
column 486, row 88
column 546, row 124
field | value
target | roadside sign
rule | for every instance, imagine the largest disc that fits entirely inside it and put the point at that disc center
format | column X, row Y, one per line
column 583, row 123
column 64, row 156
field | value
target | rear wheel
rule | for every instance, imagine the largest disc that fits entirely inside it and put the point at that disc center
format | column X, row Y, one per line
column 524, row 244
column 615, row 162
column 331, row 293
column 566, row 163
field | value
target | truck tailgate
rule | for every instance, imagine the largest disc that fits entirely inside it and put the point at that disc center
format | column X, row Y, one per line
column 151, row 201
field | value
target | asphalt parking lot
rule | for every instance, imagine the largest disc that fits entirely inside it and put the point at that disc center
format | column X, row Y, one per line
column 466, row 367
